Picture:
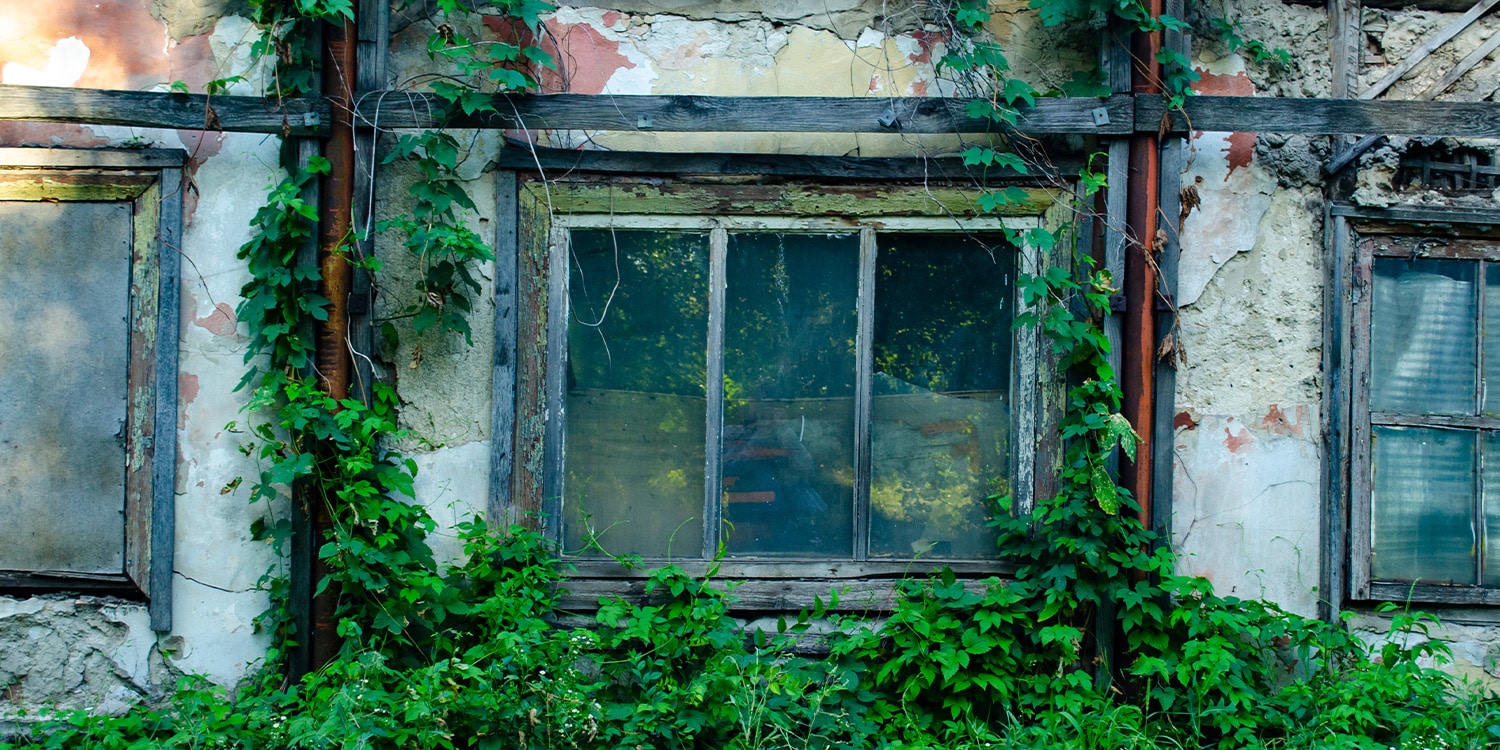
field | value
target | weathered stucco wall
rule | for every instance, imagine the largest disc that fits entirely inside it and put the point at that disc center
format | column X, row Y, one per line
column 98, row 652
column 1248, row 453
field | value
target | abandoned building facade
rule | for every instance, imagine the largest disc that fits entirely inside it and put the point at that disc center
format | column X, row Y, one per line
column 780, row 333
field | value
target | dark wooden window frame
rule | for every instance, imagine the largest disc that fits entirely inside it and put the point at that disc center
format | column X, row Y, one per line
column 1359, row 235
column 527, row 471
column 151, row 181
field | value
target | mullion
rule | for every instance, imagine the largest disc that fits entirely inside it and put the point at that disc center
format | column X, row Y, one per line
column 863, row 402
column 554, row 432
column 1481, row 387
column 713, row 491
column 1477, row 503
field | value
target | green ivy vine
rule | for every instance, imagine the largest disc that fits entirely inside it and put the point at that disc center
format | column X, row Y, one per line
column 480, row 655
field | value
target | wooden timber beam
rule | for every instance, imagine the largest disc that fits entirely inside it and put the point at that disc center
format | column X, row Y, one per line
column 930, row 115
column 1244, row 114
column 769, row 114
column 1120, row 114
column 556, row 162
column 749, row 114
column 157, row 109
column 1445, row 6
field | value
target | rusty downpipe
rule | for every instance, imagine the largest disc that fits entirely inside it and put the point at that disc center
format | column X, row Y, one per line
column 336, row 199
column 1141, row 210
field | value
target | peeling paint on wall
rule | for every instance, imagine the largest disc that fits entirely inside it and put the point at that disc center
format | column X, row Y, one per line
column 1247, row 506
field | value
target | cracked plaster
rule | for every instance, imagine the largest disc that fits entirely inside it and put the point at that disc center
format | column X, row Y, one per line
column 78, row 652
column 1247, row 449
column 1254, row 335
column 1246, row 504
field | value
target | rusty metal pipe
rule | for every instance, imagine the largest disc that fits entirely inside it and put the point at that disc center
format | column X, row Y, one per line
column 1139, row 334
column 335, row 205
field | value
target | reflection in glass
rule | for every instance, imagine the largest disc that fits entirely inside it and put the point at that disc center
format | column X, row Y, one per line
column 1491, row 520
column 636, row 401
column 940, row 435
column 1422, row 525
column 1422, row 337
column 1491, row 334
column 788, row 454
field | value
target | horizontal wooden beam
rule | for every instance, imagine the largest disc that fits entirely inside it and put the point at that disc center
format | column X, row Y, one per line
column 1420, row 214
column 98, row 158
column 156, row 109
column 866, row 597
column 748, row 114
column 1120, row 114
column 1445, row 6
column 557, row 162
column 1245, row 114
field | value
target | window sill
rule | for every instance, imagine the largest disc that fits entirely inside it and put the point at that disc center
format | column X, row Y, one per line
column 1431, row 593
column 865, row 588
column 21, row 583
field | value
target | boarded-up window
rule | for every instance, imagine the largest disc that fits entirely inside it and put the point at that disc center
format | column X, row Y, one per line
column 88, row 338
column 64, row 349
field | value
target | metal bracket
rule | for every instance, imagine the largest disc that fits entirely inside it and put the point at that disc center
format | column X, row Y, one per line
column 1101, row 116
column 1117, row 303
column 643, row 122
column 888, row 118
column 311, row 120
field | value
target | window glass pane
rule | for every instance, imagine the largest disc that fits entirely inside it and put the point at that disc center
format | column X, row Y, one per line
column 1492, row 339
column 1422, row 337
column 64, row 336
column 1491, row 509
column 1422, row 505
column 940, row 437
column 788, row 460
column 636, row 400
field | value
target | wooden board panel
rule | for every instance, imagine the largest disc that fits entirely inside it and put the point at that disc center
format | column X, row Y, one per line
column 558, row 162
column 1121, row 114
column 1337, row 353
column 152, row 109
column 854, row 597
column 737, row 114
column 163, row 499
column 101, row 158
column 623, row 197
column 1323, row 116
column 1433, row 594
column 1462, row 218
column 503, row 382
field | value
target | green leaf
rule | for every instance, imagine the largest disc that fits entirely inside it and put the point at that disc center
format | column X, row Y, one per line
column 1019, row 90
column 1118, row 430
column 1105, row 491
column 972, row 16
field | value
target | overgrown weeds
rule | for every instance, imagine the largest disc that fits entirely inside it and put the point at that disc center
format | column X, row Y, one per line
column 953, row 666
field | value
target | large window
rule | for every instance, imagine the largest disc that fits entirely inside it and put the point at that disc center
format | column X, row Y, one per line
column 1426, row 438
column 789, row 390
column 88, row 376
